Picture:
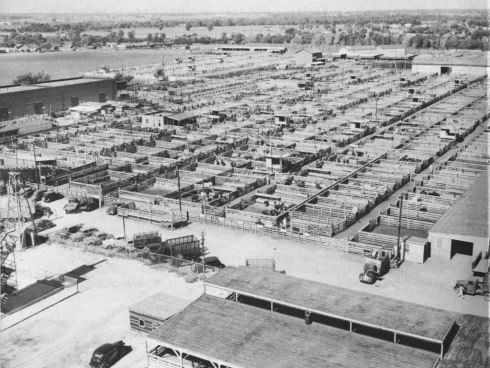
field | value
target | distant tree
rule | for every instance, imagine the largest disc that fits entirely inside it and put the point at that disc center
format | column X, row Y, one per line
column 259, row 38
column 210, row 26
column 290, row 31
column 119, row 77
column 238, row 38
column 224, row 38
column 30, row 78
column 159, row 74
column 76, row 39
column 112, row 36
column 47, row 45
column 120, row 35
column 188, row 26
column 149, row 37
column 131, row 35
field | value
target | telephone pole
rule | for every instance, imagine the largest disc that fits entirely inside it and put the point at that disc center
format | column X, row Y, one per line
column 399, row 227
column 202, row 258
column 180, row 193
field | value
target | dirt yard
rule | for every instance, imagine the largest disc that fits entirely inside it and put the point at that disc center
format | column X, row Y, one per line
column 66, row 334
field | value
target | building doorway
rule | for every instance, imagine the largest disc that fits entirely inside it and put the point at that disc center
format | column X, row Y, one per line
column 446, row 70
column 461, row 247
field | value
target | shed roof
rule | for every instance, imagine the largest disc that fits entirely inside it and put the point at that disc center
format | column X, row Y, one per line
column 469, row 215
column 311, row 51
column 182, row 116
column 71, row 82
column 464, row 60
column 386, row 313
column 238, row 335
column 49, row 84
column 160, row 306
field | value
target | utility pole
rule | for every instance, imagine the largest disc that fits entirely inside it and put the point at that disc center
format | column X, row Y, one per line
column 124, row 230
column 180, row 193
column 202, row 258
column 38, row 174
column 399, row 227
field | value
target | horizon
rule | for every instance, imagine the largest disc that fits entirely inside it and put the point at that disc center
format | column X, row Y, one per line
column 175, row 7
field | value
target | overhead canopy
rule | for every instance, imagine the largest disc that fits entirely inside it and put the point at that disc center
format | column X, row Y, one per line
column 380, row 312
column 241, row 336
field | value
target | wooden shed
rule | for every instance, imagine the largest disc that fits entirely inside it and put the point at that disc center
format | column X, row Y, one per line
column 151, row 312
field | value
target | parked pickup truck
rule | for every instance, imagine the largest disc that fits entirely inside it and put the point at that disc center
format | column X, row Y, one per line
column 72, row 206
column 473, row 286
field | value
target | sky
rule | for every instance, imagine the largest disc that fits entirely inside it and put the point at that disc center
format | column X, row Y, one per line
column 221, row 6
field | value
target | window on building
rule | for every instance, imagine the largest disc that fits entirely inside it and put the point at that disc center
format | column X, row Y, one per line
column 4, row 113
column 38, row 107
column 142, row 323
column 102, row 97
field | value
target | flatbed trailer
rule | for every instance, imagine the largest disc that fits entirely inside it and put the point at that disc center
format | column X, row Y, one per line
column 188, row 246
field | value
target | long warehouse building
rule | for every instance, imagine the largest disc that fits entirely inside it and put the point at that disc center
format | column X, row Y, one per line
column 52, row 96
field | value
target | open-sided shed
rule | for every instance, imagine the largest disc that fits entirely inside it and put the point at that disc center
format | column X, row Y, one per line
column 224, row 334
column 400, row 322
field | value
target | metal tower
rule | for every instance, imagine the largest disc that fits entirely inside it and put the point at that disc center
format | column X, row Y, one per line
column 12, row 232
column 8, row 277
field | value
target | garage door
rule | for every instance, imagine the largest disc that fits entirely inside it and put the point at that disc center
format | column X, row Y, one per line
column 461, row 247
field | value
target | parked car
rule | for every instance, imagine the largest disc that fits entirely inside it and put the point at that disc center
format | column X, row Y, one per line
column 73, row 228
column 112, row 210
column 89, row 204
column 52, row 196
column 100, row 235
column 73, row 206
column 28, row 192
column 38, row 194
column 108, row 354
column 88, row 231
column 93, row 241
column 61, row 235
column 212, row 261
column 120, row 242
column 109, row 242
column 43, row 224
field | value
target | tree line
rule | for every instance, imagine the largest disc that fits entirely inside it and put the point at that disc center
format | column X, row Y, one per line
column 417, row 29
